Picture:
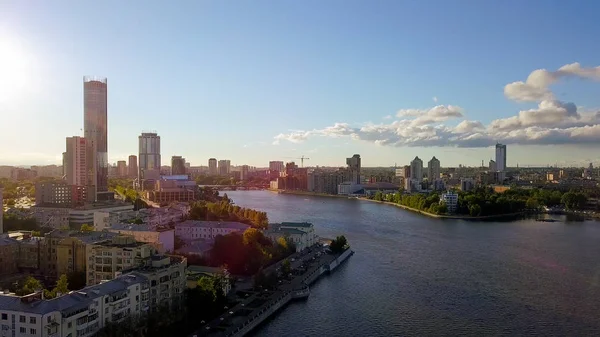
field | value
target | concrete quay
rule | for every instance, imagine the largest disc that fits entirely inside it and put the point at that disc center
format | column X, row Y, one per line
column 255, row 309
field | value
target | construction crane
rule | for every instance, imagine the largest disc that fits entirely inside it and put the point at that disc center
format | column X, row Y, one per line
column 302, row 159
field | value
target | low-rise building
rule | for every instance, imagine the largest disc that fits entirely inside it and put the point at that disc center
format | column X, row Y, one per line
column 79, row 313
column 149, row 216
column 197, row 247
column 65, row 217
column 451, row 201
column 311, row 237
column 194, row 273
column 161, row 238
column 298, row 237
column 9, row 255
column 194, row 229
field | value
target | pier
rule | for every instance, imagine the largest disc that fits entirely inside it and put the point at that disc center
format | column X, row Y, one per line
column 256, row 308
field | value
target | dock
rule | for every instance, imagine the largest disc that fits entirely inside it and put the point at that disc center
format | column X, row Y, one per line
column 256, row 308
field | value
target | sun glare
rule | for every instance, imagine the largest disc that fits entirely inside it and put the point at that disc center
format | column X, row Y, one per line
column 15, row 68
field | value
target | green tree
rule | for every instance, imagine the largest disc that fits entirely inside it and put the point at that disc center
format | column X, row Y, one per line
column 207, row 286
column 286, row 267
column 532, row 203
column 29, row 285
column 474, row 210
column 338, row 245
column 62, row 285
column 86, row 228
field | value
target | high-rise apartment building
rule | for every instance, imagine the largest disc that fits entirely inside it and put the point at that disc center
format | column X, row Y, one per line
column 416, row 169
column 178, row 165
column 149, row 154
column 121, row 169
column 492, row 166
column 276, row 166
column 244, row 172
column 500, row 157
column 96, row 133
column 354, row 168
column 76, row 162
column 433, row 169
column 224, row 167
column 133, row 166
column 403, row 172
column 212, row 167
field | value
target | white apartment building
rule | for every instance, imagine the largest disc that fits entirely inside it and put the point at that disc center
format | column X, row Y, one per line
column 107, row 260
column 79, row 313
column 451, row 201
column 194, row 229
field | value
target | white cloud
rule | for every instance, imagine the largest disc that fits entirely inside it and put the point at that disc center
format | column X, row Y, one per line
column 552, row 122
column 536, row 87
column 435, row 99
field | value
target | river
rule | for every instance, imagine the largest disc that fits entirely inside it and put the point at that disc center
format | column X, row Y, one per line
column 417, row 276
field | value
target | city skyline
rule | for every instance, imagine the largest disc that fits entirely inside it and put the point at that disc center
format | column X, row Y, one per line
column 313, row 90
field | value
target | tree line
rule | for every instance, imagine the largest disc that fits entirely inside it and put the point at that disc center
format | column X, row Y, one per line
column 225, row 210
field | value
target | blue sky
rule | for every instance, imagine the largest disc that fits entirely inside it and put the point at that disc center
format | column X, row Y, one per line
column 229, row 79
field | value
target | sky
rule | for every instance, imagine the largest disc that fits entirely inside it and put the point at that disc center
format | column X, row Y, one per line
column 253, row 81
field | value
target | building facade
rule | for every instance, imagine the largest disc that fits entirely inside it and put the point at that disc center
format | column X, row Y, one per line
column 149, row 154
column 416, row 169
column 161, row 238
column 224, row 167
column 122, row 169
column 500, row 157
column 76, row 162
column 194, row 229
column 433, row 169
column 354, row 169
column 96, row 133
column 212, row 167
column 178, row 165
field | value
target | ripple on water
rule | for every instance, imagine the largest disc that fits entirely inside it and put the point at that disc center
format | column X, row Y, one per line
column 417, row 276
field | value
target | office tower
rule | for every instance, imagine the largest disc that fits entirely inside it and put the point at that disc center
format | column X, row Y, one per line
column 64, row 165
column 133, row 166
column 433, row 169
column 492, row 166
column 500, row 157
column 95, row 132
column 177, row 165
column 212, row 167
column 416, row 169
column 224, row 167
column 354, row 169
column 244, row 172
column 149, row 154
column 121, row 168
column 276, row 166
column 76, row 162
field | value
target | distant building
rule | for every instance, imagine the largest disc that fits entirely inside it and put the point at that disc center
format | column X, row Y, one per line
column 500, row 157
column 133, row 166
column 467, row 184
column 244, row 173
column 122, row 169
column 75, row 160
column 492, row 166
column 403, row 172
column 354, row 169
column 224, row 167
column 310, row 238
column 416, row 169
column 169, row 189
column 9, row 253
column 96, row 133
column 212, row 167
column 276, row 166
column 178, row 165
column 161, row 238
column 433, row 170
column 61, row 194
column 149, row 156
column 194, row 229
column 451, row 201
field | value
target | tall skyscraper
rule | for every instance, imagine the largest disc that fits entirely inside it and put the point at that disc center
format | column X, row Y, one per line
column 416, row 169
column 224, row 167
column 133, row 166
column 354, row 169
column 433, row 169
column 77, row 168
column 177, row 165
column 95, row 131
column 212, row 166
column 500, row 157
column 121, row 169
column 244, row 172
column 149, row 156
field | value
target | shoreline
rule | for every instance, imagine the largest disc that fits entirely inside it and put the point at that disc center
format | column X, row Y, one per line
column 438, row 216
column 443, row 216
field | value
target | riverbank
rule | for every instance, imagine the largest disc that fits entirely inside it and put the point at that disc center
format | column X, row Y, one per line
column 312, row 194
column 445, row 216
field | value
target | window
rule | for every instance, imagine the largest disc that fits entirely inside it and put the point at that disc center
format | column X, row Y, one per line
column 22, row 330
column 70, row 325
column 49, row 319
column 4, row 317
column 32, row 320
column 22, row 319
column 32, row 331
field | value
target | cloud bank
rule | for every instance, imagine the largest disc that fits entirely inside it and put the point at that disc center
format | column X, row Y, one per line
column 551, row 122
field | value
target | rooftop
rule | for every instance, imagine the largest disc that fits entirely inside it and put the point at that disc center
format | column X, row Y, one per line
column 5, row 241
column 283, row 230
column 213, row 224
column 86, row 237
column 73, row 301
column 137, row 228
column 296, row 224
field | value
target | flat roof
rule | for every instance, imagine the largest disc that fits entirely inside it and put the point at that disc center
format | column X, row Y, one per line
column 297, row 224
column 213, row 224
column 137, row 228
